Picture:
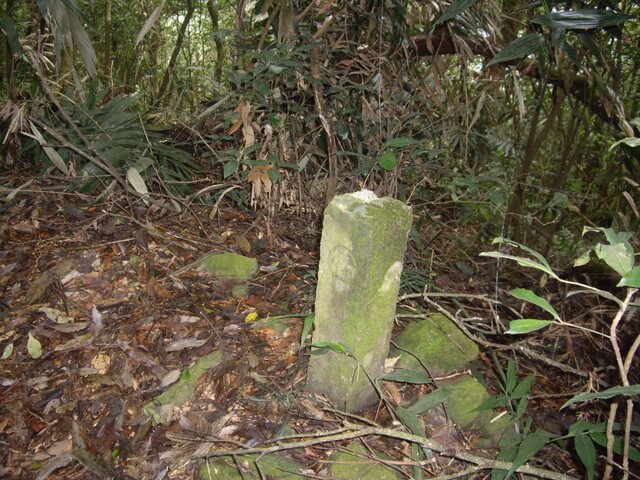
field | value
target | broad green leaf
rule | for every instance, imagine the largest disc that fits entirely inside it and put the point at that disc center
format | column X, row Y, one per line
column 526, row 325
column 9, row 29
column 429, row 401
column 34, row 347
column 531, row 444
column 633, row 142
column 583, row 259
column 529, row 296
column 410, row 420
column 8, row 350
column 609, row 393
column 388, row 160
column 585, row 19
column 586, row 452
column 407, row 376
column 401, row 142
column 519, row 48
column 601, row 439
column 453, row 10
column 617, row 257
column 631, row 279
column 306, row 328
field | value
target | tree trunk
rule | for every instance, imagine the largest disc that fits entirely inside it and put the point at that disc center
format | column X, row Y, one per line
column 176, row 49
column 215, row 23
column 6, row 55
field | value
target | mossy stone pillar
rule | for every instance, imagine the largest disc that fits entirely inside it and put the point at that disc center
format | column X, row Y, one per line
column 364, row 239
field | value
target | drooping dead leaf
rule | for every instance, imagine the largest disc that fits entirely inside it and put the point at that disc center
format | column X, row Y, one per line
column 260, row 183
column 244, row 120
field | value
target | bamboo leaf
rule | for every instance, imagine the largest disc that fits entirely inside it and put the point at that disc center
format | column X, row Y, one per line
column 148, row 25
column 519, row 48
column 631, row 390
column 453, row 10
column 586, row 452
column 585, row 19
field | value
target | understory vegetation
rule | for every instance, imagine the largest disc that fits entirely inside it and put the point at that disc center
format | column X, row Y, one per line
column 150, row 132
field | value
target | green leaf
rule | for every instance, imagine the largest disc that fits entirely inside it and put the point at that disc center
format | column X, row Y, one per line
column 519, row 48
column 453, row 10
column 522, row 390
column 306, row 328
column 8, row 27
column 633, row 142
column 411, row 421
column 407, row 376
column 529, row 296
column 601, row 439
column 34, row 347
column 511, row 376
column 400, row 142
column 526, row 325
column 531, row 444
column 618, row 256
column 8, row 350
column 429, row 401
column 388, row 160
column 230, row 168
column 522, row 261
column 322, row 347
column 586, row 452
column 493, row 402
column 609, row 393
column 631, row 279
column 585, row 19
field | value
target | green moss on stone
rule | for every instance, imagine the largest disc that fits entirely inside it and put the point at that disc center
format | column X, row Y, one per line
column 231, row 265
column 438, row 343
column 275, row 466
column 348, row 466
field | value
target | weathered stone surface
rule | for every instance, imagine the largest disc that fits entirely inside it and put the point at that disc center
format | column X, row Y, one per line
column 462, row 408
column 439, row 345
column 363, row 243
column 347, row 466
column 231, row 265
column 276, row 466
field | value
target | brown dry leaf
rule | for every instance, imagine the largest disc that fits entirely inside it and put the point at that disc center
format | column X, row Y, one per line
column 244, row 121
column 259, row 178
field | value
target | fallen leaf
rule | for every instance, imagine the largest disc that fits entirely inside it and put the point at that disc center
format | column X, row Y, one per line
column 34, row 347
column 184, row 343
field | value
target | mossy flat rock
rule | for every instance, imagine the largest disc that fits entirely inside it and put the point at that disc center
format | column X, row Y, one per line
column 348, row 466
column 275, row 466
column 467, row 394
column 438, row 343
column 231, row 265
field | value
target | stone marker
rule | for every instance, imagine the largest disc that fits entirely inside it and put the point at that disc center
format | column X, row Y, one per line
column 364, row 239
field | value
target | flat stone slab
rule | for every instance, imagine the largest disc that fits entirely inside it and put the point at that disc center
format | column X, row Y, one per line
column 231, row 265
column 275, row 466
column 437, row 343
column 349, row 466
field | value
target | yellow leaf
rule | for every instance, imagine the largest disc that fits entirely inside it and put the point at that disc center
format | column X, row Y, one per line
column 251, row 317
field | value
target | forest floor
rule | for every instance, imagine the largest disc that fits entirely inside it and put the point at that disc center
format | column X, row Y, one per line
column 99, row 316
